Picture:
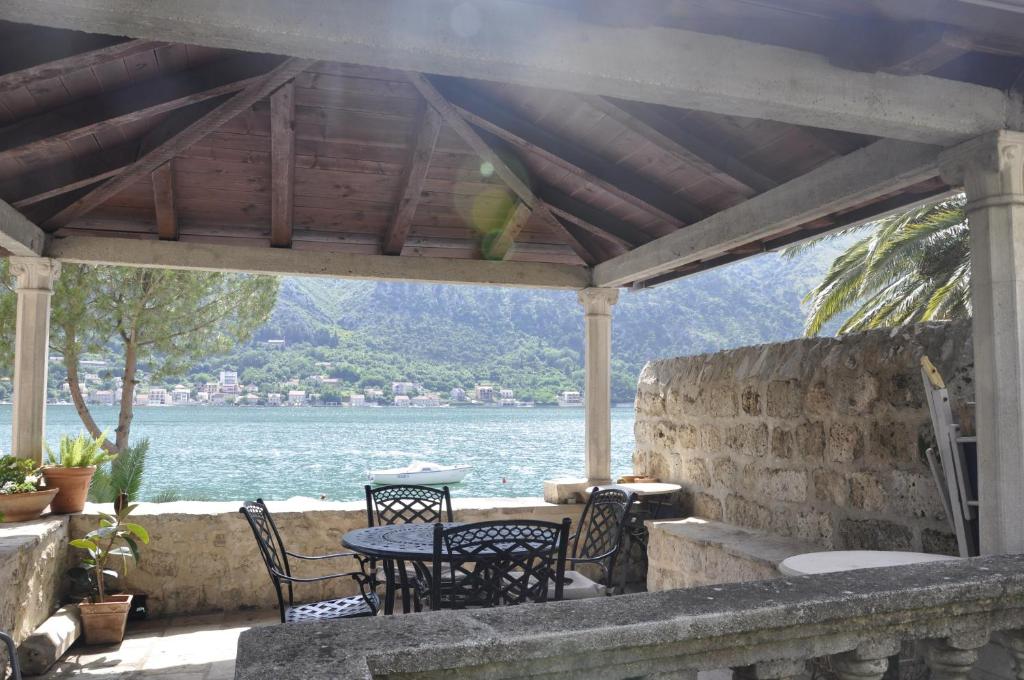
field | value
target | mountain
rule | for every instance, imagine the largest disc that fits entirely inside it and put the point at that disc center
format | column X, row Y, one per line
column 371, row 333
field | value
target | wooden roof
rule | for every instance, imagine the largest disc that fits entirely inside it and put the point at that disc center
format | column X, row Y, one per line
column 147, row 139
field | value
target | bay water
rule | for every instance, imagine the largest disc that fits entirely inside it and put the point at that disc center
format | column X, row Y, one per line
column 234, row 453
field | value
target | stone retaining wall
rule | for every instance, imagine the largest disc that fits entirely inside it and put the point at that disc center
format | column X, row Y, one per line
column 202, row 556
column 32, row 556
column 820, row 439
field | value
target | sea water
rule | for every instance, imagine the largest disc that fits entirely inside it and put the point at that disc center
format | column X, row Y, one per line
column 231, row 453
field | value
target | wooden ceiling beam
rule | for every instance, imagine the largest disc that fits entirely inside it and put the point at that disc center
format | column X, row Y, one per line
column 859, row 178
column 415, row 173
column 582, row 251
column 262, row 260
column 163, row 202
column 620, row 182
column 547, row 47
column 133, row 102
column 53, row 58
column 18, row 235
column 150, row 159
column 689, row 148
column 282, row 165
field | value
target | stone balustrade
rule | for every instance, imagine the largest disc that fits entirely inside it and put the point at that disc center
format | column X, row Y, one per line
column 767, row 630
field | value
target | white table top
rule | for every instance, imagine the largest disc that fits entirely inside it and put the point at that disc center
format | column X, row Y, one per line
column 644, row 488
column 848, row 560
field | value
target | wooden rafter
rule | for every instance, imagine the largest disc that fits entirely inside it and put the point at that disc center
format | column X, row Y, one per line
column 926, row 50
column 593, row 221
column 61, row 57
column 415, row 173
column 166, row 150
column 503, row 123
column 517, row 218
column 163, row 202
column 18, row 235
column 36, row 186
column 689, row 148
column 582, row 251
column 133, row 102
column 527, row 198
column 282, row 165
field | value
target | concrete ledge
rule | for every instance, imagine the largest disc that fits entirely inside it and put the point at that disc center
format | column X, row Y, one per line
column 720, row 626
column 47, row 644
column 696, row 552
column 564, row 489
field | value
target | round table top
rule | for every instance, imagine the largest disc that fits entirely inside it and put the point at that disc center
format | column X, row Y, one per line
column 397, row 541
column 644, row 488
column 848, row 560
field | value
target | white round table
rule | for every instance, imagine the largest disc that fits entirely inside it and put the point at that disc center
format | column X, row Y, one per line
column 848, row 560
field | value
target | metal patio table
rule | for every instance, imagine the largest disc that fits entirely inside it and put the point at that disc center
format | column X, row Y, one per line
column 394, row 545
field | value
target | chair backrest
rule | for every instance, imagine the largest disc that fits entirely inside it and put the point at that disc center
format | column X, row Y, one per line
column 404, row 504
column 487, row 564
column 271, row 547
column 602, row 523
column 12, row 656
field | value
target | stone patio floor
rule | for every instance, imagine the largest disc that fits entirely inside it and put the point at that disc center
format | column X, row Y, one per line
column 182, row 648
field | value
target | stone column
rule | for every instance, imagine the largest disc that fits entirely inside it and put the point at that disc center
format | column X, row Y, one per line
column 597, row 399
column 867, row 662
column 991, row 169
column 952, row 658
column 34, row 278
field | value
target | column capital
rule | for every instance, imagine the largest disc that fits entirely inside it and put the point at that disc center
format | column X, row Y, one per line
column 989, row 166
column 598, row 300
column 34, row 273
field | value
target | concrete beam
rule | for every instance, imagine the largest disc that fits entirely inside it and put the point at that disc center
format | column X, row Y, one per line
column 18, row 235
column 542, row 46
column 846, row 182
column 256, row 260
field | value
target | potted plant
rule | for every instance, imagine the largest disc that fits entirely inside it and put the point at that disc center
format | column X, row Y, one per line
column 20, row 497
column 72, row 469
column 104, row 616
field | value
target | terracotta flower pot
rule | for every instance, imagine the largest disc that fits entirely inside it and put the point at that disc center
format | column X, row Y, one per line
column 103, row 622
column 19, row 507
column 73, row 483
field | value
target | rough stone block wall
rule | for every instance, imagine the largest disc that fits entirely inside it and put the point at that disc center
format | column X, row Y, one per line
column 821, row 439
column 32, row 557
column 202, row 557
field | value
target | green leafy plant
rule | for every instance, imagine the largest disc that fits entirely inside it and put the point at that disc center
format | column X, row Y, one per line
column 18, row 475
column 115, row 537
column 80, row 451
column 122, row 476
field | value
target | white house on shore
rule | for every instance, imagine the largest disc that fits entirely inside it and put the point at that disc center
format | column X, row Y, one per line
column 274, row 399
column 296, row 397
column 401, row 400
column 357, row 400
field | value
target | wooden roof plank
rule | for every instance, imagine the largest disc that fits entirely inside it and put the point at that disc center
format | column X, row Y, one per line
column 415, row 173
column 688, row 148
column 166, row 150
column 163, row 202
column 39, row 185
column 57, row 58
column 18, row 235
column 282, row 165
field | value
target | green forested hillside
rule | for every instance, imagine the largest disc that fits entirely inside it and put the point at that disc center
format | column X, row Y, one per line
column 371, row 333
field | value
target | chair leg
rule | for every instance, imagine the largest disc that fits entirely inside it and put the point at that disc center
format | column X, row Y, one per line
column 389, row 587
column 403, row 579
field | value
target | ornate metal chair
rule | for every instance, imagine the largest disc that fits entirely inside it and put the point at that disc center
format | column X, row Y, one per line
column 404, row 504
column 598, row 541
column 12, row 656
column 275, row 556
column 401, row 504
column 488, row 564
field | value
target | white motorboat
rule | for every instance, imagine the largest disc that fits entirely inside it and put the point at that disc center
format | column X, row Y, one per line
column 419, row 472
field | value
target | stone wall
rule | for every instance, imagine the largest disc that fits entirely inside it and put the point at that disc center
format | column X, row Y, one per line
column 32, row 556
column 821, row 439
column 202, row 557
